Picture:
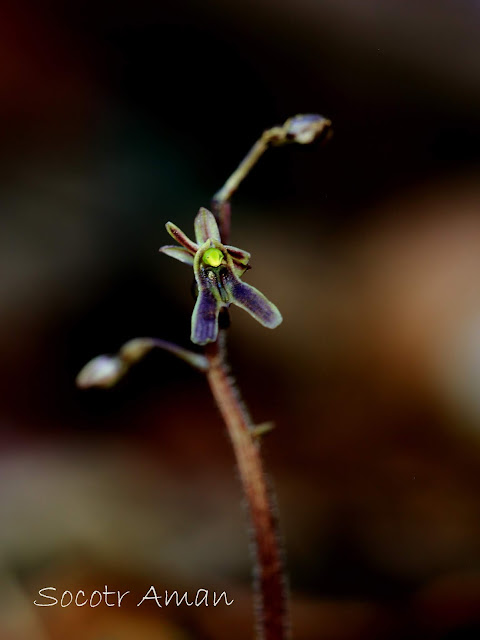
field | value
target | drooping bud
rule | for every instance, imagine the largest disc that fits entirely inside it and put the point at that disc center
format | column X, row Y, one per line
column 103, row 371
column 303, row 129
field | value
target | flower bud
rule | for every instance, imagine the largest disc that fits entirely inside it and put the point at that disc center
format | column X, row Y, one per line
column 103, row 371
column 305, row 128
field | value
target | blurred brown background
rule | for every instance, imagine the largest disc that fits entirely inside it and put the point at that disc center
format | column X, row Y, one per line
column 118, row 116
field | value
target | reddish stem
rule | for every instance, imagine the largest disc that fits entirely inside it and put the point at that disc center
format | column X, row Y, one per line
column 272, row 609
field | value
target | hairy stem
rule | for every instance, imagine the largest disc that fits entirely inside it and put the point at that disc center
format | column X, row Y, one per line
column 272, row 607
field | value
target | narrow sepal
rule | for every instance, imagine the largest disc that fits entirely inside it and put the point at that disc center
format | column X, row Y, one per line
column 178, row 235
column 239, row 269
column 239, row 255
column 179, row 253
column 205, row 317
column 240, row 260
column 254, row 302
column 206, row 226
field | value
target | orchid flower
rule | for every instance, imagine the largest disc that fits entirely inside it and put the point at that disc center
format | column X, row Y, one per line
column 218, row 269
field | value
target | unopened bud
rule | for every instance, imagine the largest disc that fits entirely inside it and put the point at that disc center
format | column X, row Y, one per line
column 103, row 371
column 305, row 128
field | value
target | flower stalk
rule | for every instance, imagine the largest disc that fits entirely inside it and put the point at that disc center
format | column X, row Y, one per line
column 302, row 129
column 218, row 269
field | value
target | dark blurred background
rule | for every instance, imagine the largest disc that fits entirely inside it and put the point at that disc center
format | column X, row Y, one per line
column 118, row 116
